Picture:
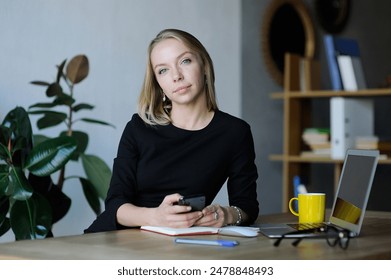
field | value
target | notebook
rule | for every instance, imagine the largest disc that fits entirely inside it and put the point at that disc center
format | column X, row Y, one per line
column 350, row 201
column 198, row 230
column 181, row 231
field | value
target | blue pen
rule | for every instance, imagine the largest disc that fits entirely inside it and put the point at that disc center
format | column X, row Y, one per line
column 296, row 184
column 218, row 242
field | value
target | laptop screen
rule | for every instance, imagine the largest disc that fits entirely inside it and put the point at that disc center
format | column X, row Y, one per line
column 354, row 189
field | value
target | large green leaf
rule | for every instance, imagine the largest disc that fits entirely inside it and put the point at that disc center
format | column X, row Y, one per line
column 5, row 134
column 40, row 83
column 44, row 112
column 4, row 153
column 51, row 155
column 31, row 219
column 82, row 142
column 43, row 105
column 98, row 173
column 19, row 186
column 4, row 179
column 54, row 89
column 96, row 121
column 4, row 220
column 4, row 207
column 60, row 71
column 82, row 106
column 61, row 99
column 49, row 121
column 21, row 143
column 39, row 138
column 64, row 99
column 14, row 183
column 91, row 195
column 4, row 226
column 18, row 121
column 50, row 118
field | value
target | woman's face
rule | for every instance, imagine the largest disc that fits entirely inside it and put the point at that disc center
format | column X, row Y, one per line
column 179, row 72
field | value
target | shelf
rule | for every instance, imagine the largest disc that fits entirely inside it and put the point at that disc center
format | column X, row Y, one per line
column 316, row 159
column 331, row 93
column 304, row 159
column 297, row 116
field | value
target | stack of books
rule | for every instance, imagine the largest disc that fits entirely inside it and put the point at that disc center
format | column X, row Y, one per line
column 367, row 142
column 344, row 62
column 374, row 143
column 384, row 146
column 318, row 140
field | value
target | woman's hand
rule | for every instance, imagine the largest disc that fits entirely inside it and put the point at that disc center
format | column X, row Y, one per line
column 213, row 216
column 171, row 215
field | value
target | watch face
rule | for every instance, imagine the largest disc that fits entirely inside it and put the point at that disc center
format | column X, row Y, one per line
column 332, row 14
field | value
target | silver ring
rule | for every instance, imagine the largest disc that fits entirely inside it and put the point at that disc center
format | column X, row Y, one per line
column 216, row 215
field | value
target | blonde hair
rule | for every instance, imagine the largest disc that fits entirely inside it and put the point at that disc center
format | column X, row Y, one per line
column 151, row 107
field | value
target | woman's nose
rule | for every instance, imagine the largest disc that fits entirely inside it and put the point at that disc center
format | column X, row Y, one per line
column 177, row 75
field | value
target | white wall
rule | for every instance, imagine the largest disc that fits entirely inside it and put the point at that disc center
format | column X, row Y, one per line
column 36, row 35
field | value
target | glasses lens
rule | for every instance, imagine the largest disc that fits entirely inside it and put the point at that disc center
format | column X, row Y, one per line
column 332, row 240
column 335, row 236
column 344, row 240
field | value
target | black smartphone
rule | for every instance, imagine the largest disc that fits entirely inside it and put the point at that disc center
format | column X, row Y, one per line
column 197, row 202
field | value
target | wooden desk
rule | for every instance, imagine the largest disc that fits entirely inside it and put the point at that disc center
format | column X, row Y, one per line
column 374, row 242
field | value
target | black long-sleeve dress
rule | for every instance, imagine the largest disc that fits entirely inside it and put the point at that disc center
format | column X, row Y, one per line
column 155, row 161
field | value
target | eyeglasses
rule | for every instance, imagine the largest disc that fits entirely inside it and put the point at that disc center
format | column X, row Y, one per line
column 334, row 236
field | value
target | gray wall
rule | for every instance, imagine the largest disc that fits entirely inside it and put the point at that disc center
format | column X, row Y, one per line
column 263, row 114
column 37, row 35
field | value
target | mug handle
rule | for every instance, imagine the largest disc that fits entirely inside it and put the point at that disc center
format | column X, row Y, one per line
column 290, row 206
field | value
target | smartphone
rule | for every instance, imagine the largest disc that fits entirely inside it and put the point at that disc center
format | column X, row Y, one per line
column 197, row 202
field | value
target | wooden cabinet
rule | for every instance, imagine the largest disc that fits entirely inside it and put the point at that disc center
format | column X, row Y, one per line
column 297, row 117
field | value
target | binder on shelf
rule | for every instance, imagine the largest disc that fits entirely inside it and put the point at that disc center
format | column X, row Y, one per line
column 348, row 77
column 336, row 47
column 346, row 46
column 349, row 119
column 331, row 56
column 352, row 73
column 359, row 72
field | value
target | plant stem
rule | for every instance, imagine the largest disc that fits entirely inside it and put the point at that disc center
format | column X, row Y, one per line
column 70, row 120
column 32, row 229
column 61, row 178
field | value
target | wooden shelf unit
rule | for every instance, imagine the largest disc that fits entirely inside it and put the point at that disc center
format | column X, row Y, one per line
column 297, row 117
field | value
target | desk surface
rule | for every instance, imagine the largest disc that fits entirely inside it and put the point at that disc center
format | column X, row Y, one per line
column 374, row 242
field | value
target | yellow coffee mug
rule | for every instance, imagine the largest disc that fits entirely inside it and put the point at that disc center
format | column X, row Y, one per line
column 311, row 207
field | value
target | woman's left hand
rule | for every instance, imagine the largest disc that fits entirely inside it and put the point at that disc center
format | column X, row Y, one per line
column 213, row 216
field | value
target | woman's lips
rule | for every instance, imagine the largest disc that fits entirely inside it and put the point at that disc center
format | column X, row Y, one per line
column 179, row 89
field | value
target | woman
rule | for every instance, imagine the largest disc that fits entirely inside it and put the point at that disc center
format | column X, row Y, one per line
column 180, row 144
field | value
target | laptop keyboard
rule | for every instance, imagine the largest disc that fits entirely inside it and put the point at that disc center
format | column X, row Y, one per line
column 307, row 226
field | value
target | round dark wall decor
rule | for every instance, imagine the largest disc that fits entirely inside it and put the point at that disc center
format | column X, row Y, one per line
column 286, row 27
column 332, row 14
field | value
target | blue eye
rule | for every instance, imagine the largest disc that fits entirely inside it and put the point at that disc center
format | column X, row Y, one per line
column 162, row 71
column 186, row 61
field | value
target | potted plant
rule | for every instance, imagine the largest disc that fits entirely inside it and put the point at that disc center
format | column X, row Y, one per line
column 61, row 110
column 30, row 213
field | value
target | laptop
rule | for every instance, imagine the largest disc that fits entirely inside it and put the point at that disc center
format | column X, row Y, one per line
column 350, row 201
